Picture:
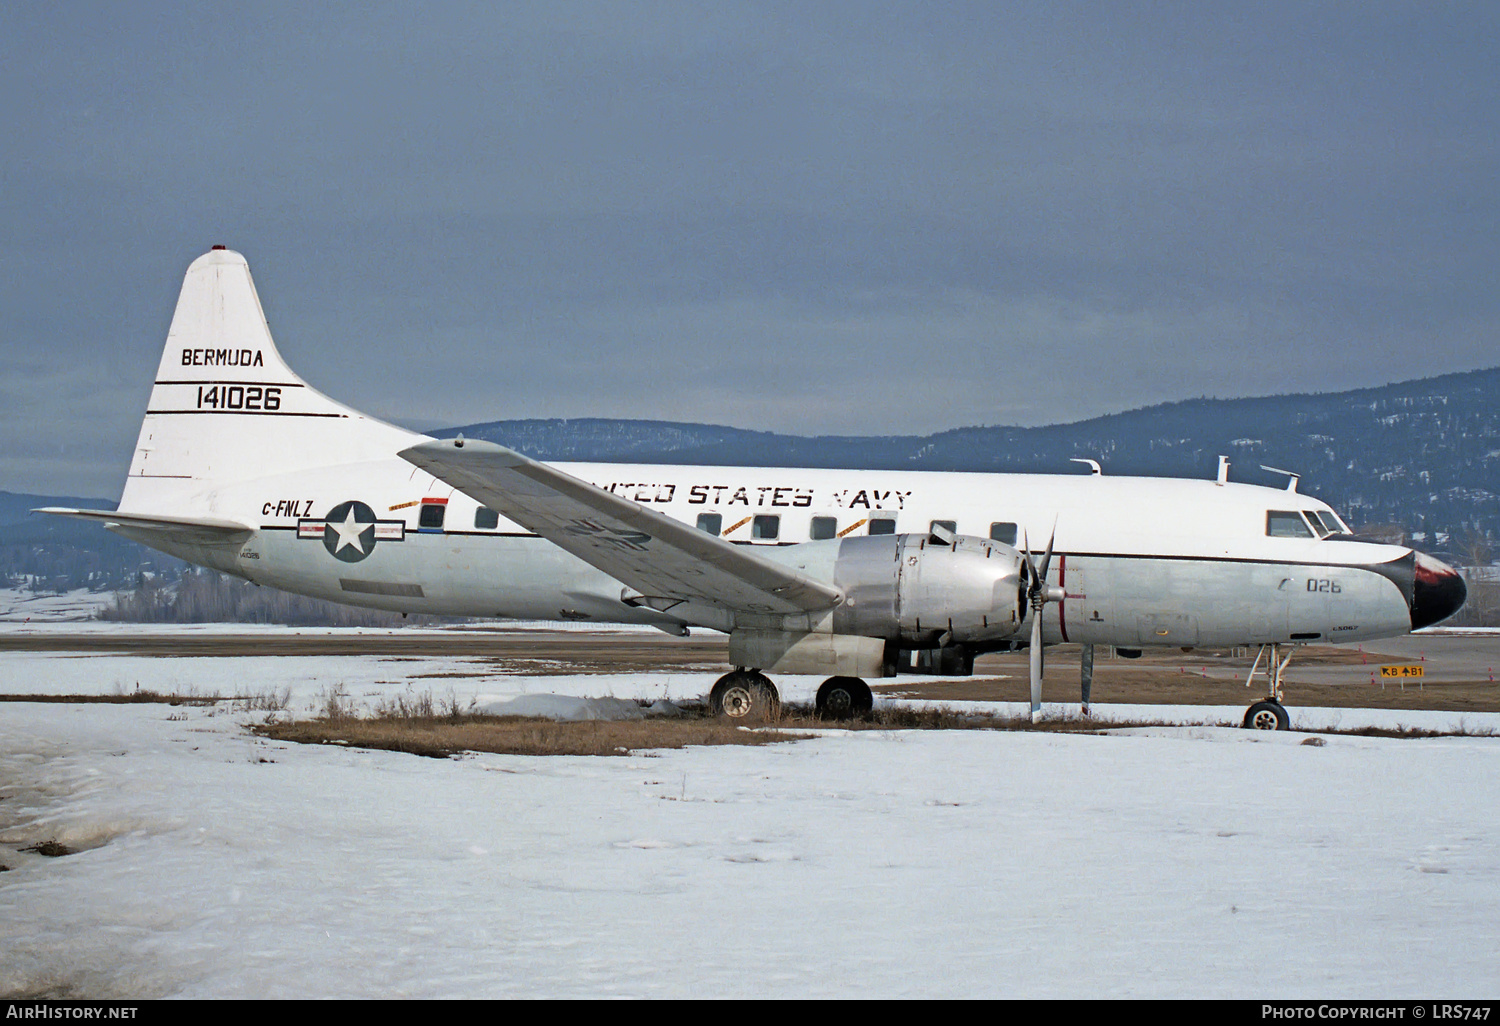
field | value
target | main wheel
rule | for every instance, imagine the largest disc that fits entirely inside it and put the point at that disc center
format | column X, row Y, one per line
column 747, row 696
column 841, row 698
column 1267, row 715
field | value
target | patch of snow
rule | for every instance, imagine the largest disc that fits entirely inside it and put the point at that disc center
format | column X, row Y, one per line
column 566, row 707
column 19, row 605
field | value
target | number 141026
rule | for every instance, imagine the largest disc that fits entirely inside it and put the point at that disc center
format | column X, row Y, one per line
column 239, row 397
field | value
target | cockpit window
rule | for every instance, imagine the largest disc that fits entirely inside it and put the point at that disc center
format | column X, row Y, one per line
column 1334, row 522
column 1286, row 524
column 1331, row 524
column 1316, row 523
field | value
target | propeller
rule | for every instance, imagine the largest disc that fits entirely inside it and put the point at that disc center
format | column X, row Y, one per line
column 1038, row 594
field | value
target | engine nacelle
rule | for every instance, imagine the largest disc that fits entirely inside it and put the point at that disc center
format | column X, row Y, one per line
column 924, row 591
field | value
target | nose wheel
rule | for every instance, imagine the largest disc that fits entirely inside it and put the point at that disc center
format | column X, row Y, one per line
column 1267, row 715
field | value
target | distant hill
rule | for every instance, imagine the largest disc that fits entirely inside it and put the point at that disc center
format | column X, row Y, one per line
column 1424, row 454
column 54, row 554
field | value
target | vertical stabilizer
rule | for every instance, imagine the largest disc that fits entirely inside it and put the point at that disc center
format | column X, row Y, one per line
column 227, row 409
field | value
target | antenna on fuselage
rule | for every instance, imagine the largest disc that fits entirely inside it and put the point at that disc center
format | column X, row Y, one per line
column 1223, row 478
column 1291, row 484
column 1093, row 464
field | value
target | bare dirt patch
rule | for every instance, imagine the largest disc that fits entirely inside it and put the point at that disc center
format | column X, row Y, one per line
column 568, row 651
column 1148, row 687
column 51, row 849
column 1340, row 678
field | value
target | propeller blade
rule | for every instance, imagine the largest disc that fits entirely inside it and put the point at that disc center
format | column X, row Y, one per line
column 1086, row 672
column 1037, row 595
column 1047, row 559
column 1036, row 666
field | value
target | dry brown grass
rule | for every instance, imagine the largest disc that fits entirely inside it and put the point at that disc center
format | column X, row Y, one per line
column 416, row 728
column 444, row 736
column 124, row 698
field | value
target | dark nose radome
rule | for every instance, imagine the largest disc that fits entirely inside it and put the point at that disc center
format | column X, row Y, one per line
column 1437, row 592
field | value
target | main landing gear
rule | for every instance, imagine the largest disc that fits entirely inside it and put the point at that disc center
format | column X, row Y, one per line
column 841, row 698
column 1269, row 714
column 748, row 696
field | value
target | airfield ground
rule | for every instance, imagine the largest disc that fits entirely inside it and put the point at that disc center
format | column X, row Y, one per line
column 1458, row 667
column 154, row 850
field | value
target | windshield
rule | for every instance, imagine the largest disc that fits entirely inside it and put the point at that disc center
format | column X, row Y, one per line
column 1331, row 522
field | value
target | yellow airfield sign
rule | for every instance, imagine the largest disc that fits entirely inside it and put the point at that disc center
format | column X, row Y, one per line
column 1402, row 671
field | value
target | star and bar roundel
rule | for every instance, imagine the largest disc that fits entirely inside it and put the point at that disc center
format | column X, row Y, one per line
column 350, row 530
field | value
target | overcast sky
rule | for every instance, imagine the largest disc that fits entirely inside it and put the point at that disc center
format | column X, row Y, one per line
column 806, row 217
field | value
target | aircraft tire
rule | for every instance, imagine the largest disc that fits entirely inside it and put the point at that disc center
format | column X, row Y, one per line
column 1267, row 715
column 843, row 698
column 745, row 696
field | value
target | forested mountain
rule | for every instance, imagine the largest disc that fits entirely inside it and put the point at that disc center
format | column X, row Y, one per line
column 1422, row 454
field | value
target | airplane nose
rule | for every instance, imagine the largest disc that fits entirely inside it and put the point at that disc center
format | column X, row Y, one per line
column 1437, row 591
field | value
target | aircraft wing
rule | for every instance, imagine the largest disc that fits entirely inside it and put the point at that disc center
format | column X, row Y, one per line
column 197, row 529
column 661, row 558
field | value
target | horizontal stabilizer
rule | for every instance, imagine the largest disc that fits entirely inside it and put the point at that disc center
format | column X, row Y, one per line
column 656, row 555
column 199, row 529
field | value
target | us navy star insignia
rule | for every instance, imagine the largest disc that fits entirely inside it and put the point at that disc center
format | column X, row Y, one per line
column 350, row 530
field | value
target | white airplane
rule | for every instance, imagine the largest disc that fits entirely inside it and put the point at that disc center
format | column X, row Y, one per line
column 243, row 467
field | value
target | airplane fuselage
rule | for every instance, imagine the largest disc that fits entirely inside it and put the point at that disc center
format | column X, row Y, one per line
column 1140, row 561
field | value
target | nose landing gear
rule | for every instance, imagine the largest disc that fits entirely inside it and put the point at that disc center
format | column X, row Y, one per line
column 1269, row 714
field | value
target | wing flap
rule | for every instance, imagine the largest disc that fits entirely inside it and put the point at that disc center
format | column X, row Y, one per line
column 652, row 553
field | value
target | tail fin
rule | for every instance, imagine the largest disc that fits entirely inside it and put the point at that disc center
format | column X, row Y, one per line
column 226, row 408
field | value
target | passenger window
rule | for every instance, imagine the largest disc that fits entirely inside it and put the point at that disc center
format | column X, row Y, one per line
column 823, row 528
column 1282, row 524
column 951, row 526
column 486, row 519
column 1004, row 533
column 432, row 515
column 882, row 525
column 711, row 523
column 765, row 528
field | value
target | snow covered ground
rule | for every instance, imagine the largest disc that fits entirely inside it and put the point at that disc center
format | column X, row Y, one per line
column 1180, row 861
column 18, row 605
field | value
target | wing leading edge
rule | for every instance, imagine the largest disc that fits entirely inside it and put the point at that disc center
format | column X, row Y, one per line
column 664, row 560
